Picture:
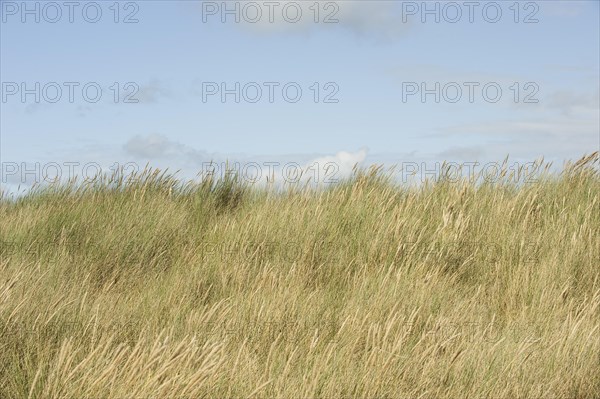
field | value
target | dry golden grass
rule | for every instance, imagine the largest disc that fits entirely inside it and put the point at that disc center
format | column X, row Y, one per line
column 151, row 289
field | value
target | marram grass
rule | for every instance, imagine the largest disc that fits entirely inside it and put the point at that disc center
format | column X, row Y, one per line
column 157, row 289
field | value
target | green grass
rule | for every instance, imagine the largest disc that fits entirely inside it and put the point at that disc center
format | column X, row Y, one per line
column 163, row 289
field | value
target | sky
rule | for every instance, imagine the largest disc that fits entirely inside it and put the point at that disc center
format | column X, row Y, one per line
column 177, row 84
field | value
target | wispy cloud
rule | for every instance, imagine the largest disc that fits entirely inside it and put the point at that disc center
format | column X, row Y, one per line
column 159, row 147
column 340, row 165
column 160, row 151
column 569, row 9
column 461, row 153
column 150, row 92
column 380, row 20
column 571, row 103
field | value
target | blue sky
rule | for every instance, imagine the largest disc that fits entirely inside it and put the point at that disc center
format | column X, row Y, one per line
column 368, row 57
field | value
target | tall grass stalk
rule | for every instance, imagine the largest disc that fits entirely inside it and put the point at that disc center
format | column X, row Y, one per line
column 153, row 287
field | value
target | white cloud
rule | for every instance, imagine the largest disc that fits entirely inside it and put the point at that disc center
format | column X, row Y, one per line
column 376, row 19
column 156, row 147
column 149, row 92
column 162, row 152
column 568, row 9
column 338, row 166
column 575, row 103
column 556, row 138
column 461, row 153
column 151, row 146
column 381, row 19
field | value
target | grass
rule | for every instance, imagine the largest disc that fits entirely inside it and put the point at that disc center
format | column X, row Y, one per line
column 158, row 289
